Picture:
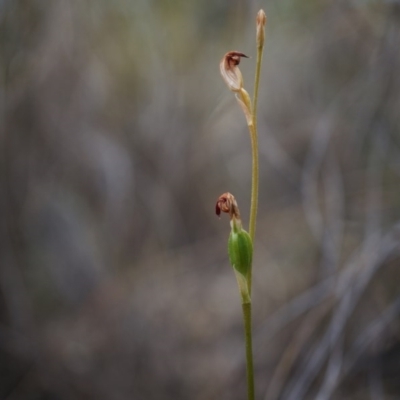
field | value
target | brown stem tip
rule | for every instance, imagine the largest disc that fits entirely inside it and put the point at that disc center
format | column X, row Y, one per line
column 261, row 20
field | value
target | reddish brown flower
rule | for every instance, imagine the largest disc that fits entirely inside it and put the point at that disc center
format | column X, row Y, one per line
column 227, row 203
column 230, row 71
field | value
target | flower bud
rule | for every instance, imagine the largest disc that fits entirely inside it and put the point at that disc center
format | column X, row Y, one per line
column 261, row 20
column 230, row 71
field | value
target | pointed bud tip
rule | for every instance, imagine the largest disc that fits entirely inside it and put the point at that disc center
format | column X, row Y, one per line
column 261, row 18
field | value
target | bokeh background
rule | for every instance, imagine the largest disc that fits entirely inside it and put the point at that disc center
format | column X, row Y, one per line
column 117, row 137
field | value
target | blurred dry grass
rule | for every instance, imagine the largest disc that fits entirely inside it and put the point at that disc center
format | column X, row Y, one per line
column 118, row 135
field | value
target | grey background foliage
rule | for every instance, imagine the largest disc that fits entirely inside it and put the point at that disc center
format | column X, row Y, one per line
column 118, row 135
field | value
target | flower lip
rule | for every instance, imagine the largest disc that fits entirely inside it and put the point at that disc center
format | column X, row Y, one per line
column 233, row 58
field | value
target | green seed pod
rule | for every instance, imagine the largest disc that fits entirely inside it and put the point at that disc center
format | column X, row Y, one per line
column 240, row 249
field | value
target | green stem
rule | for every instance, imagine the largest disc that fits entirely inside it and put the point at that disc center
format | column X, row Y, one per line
column 254, row 152
column 260, row 48
column 249, row 349
column 254, row 194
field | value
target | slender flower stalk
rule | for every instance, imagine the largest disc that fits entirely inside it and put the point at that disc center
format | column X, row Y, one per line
column 246, row 308
column 240, row 243
column 261, row 20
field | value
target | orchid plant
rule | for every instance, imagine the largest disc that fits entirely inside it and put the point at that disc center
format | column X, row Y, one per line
column 240, row 242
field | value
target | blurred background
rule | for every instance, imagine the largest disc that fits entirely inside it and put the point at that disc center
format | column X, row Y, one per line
column 118, row 135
